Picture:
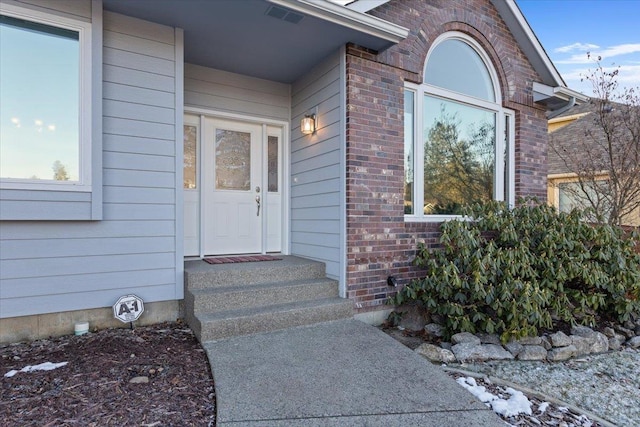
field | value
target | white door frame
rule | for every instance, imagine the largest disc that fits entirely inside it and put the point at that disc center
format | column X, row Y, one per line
column 215, row 114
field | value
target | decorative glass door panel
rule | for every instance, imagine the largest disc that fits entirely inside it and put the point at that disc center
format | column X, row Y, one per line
column 274, row 190
column 191, row 185
column 232, row 192
column 233, row 160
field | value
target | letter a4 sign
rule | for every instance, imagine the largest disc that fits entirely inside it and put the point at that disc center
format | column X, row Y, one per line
column 128, row 308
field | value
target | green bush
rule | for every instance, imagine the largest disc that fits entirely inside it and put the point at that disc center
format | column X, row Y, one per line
column 513, row 271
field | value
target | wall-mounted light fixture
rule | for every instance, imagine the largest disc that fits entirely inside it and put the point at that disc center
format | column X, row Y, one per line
column 392, row 281
column 308, row 124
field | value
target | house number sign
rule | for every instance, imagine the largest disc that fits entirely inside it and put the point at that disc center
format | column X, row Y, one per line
column 128, row 308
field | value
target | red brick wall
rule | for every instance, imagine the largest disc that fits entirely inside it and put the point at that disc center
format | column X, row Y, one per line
column 379, row 242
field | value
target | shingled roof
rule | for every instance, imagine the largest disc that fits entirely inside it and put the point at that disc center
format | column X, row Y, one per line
column 583, row 139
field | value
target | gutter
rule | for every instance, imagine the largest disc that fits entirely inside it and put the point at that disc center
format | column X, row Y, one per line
column 550, row 97
column 348, row 18
column 567, row 107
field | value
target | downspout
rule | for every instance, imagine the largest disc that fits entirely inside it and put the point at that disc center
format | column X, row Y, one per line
column 567, row 107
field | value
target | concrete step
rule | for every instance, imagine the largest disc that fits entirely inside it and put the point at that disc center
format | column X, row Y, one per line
column 247, row 296
column 200, row 275
column 246, row 321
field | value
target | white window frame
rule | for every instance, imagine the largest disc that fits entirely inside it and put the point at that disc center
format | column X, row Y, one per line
column 84, row 102
column 496, row 107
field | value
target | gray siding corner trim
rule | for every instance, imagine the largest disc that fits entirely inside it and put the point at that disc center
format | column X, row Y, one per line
column 343, row 168
column 96, row 110
column 317, row 167
column 179, row 135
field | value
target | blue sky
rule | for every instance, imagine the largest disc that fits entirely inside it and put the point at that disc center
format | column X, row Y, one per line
column 568, row 29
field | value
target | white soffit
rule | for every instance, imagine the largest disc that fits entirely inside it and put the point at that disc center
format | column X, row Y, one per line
column 365, row 5
column 346, row 17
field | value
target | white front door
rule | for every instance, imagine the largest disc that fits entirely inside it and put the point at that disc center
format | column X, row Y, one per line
column 233, row 191
column 233, row 187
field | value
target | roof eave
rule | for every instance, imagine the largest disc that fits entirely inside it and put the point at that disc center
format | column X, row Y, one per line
column 528, row 42
column 346, row 17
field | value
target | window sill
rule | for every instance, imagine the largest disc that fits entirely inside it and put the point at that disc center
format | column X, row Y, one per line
column 44, row 186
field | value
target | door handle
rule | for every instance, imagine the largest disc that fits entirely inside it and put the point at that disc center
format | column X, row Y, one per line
column 258, row 202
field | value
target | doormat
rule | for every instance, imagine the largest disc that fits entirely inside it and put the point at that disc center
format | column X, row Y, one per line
column 236, row 259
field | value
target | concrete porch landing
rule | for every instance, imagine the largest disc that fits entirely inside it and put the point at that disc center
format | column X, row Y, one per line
column 338, row 373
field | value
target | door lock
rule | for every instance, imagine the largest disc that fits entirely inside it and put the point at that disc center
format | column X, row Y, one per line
column 258, row 202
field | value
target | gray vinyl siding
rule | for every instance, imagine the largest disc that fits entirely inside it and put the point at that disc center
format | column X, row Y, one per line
column 56, row 266
column 222, row 91
column 317, row 167
column 75, row 8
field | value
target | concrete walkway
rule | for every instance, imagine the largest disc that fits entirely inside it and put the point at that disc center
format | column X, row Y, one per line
column 341, row 373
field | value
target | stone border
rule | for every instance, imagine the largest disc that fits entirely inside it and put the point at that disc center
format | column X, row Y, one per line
column 555, row 347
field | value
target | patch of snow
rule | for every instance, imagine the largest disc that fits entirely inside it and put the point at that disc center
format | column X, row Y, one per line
column 46, row 366
column 543, row 407
column 516, row 404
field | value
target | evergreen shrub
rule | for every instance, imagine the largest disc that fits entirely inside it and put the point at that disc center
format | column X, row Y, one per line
column 515, row 271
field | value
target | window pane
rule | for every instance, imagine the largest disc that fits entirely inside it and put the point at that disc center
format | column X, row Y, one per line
column 272, row 164
column 409, row 121
column 590, row 195
column 459, row 155
column 568, row 196
column 456, row 66
column 190, row 157
column 233, row 160
column 39, row 107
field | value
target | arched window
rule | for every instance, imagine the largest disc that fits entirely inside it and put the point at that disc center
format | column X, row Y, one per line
column 458, row 137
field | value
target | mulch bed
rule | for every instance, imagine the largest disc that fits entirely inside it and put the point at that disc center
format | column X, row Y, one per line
column 94, row 388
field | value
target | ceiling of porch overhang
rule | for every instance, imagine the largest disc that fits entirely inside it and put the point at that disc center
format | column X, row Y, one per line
column 238, row 35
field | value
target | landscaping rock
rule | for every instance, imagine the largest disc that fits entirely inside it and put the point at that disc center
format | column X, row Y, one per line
column 609, row 332
column 533, row 352
column 598, row 342
column 435, row 353
column 583, row 331
column 446, row 345
column 624, row 331
column 637, row 330
column 581, row 344
column 489, row 338
column 560, row 339
column 634, row 342
column 139, row 380
column 514, row 347
column 629, row 324
column 546, row 343
column 561, row 353
column 601, row 344
column 464, row 337
column 615, row 342
column 530, row 341
column 471, row 352
column 434, row 329
column 413, row 317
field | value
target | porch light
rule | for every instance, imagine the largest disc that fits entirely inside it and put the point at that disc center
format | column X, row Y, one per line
column 308, row 124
